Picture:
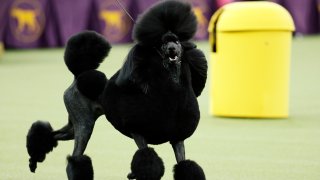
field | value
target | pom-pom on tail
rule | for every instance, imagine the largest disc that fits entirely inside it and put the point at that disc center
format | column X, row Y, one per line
column 171, row 15
column 79, row 168
column 146, row 165
column 85, row 51
column 188, row 170
column 40, row 141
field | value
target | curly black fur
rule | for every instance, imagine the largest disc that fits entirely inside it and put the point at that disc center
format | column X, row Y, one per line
column 147, row 165
column 198, row 68
column 40, row 141
column 91, row 83
column 85, row 51
column 79, row 168
column 188, row 170
column 153, row 94
column 152, row 98
column 174, row 16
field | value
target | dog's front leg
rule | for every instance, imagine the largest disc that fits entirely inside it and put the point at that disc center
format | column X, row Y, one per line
column 185, row 169
column 145, row 164
column 179, row 151
column 140, row 141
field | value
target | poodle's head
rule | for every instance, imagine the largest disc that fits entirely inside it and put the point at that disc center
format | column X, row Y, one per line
column 171, row 52
column 171, row 49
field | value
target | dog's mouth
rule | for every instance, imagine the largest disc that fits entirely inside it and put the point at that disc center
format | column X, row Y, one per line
column 173, row 65
column 173, row 57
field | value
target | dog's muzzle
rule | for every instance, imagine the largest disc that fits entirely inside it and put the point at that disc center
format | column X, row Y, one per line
column 173, row 51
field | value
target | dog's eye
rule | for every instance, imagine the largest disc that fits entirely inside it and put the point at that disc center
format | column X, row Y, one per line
column 177, row 42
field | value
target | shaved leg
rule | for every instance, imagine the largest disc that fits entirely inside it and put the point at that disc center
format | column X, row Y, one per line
column 179, row 151
column 83, row 113
column 140, row 141
column 82, row 137
column 83, row 124
column 65, row 133
column 82, row 116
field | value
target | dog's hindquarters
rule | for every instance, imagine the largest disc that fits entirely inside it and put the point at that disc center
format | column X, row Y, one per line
column 82, row 114
column 84, row 53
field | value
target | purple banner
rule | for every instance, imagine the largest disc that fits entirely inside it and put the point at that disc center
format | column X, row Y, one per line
column 71, row 17
column 142, row 5
column 203, row 9
column 114, row 23
column 3, row 18
column 51, row 36
column 304, row 13
column 26, row 23
column 50, row 23
column 318, row 8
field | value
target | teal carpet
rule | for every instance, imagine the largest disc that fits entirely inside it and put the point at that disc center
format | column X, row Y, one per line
column 33, row 82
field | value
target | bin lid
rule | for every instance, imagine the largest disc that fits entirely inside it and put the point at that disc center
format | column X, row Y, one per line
column 248, row 16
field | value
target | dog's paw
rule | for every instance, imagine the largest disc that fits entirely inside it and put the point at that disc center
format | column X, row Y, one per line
column 131, row 176
column 146, row 165
column 79, row 168
column 188, row 170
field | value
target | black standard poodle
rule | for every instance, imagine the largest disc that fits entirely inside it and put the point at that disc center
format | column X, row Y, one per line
column 151, row 99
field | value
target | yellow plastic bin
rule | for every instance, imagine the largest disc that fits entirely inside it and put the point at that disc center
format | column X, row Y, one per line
column 1, row 49
column 250, row 66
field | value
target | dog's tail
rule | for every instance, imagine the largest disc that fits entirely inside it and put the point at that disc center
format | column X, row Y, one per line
column 85, row 51
column 83, row 55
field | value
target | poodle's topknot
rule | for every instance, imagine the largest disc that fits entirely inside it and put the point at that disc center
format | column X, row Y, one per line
column 169, row 15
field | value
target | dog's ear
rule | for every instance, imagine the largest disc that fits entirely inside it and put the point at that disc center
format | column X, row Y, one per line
column 133, row 70
column 187, row 45
column 125, row 73
column 198, row 67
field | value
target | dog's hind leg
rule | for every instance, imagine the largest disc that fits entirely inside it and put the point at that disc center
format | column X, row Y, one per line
column 80, row 165
column 82, row 134
column 65, row 133
column 83, row 113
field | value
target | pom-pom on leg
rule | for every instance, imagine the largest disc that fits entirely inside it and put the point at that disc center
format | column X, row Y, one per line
column 146, row 165
column 79, row 168
column 188, row 170
column 40, row 141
